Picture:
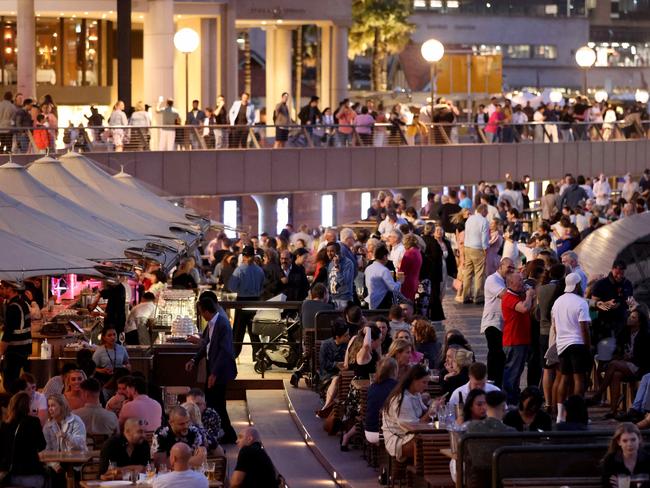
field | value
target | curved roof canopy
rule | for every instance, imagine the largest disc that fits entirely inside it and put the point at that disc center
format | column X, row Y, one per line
column 627, row 239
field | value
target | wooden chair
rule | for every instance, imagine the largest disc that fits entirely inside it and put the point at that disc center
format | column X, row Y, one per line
column 173, row 395
column 96, row 441
column 429, row 459
column 345, row 379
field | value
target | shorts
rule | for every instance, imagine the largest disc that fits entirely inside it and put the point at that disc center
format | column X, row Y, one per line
column 281, row 134
column 575, row 359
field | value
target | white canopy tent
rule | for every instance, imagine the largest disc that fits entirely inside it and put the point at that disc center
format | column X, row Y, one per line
column 58, row 236
column 50, row 172
column 141, row 200
column 21, row 259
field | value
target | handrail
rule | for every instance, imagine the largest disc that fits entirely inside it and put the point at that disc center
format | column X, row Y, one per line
column 44, row 139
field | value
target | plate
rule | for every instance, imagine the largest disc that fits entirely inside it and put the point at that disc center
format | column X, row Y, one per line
column 107, row 484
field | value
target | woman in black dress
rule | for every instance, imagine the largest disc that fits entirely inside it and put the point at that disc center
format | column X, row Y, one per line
column 440, row 262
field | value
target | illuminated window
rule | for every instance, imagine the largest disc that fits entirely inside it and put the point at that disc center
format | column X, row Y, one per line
column 518, row 51
column 230, row 216
column 282, row 213
column 419, row 4
column 327, row 210
column 544, row 52
column 366, row 202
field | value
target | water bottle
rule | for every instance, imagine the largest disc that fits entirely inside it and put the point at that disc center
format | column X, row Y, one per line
column 46, row 350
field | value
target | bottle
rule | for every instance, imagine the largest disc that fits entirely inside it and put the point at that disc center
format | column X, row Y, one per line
column 460, row 405
column 46, row 350
column 150, row 470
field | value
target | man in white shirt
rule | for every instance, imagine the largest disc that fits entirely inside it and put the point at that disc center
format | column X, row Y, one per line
column 492, row 320
column 396, row 247
column 570, row 262
column 602, row 191
column 477, row 240
column 570, row 318
column 181, row 475
column 136, row 330
column 477, row 379
column 492, row 211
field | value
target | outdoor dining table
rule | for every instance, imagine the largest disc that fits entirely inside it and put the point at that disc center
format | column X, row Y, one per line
column 101, row 484
column 68, row 460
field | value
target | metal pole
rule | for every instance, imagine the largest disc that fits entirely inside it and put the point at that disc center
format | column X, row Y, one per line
column 584, row 81
column 433, row 93
column 187, row 85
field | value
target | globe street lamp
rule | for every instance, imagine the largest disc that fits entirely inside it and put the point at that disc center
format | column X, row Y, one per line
column 432, row 52
column 601, row 96
column 585, row 57
column 186, row 41
column 555, row 96
column 642, row 96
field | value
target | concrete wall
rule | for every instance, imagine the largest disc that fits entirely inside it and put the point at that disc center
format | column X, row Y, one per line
column 280, row 171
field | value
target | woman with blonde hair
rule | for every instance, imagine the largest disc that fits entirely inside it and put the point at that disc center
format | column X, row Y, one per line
column 140, row 119
column 416, row 357
column 118, row 119
column 63, row 431
column 457, row 363
column 72, row 389
column 400, row 350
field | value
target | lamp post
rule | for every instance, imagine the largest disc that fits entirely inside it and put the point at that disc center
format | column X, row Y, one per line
column 432, row 51
column 585, row 57
column 186, row 41
column 642, row 96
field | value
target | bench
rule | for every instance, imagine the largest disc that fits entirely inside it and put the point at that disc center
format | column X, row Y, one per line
column 474, row 456
column 544, row 465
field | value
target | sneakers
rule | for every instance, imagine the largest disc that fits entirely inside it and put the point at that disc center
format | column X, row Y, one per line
column 294, row 380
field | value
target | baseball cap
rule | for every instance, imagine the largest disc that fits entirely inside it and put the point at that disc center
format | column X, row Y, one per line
column 248, row 251
column 571, row 281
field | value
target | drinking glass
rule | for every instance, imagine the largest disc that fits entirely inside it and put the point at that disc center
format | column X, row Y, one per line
column 209, row 469
column 162, row 469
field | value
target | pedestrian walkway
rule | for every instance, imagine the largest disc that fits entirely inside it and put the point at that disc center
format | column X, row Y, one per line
column 467, row 319
column 284, row 442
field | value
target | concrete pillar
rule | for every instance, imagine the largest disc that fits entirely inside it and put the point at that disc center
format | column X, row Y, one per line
column 228, row 54
column 209, row 59
column 26, row 44
column 159, row 52
column 266, row 213
column 278, row 66
column 325, row 74
column 339, row 86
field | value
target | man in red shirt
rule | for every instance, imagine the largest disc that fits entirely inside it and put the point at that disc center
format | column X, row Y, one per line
column 516, row 304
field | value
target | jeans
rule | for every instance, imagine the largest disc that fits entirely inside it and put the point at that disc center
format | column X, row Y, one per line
column 344, row 139
column 516, row 357
column 496, row 359
column 642, row 399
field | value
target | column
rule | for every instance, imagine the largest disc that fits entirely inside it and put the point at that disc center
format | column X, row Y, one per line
column 278, row 66
column 209, row 57
column 228, row 54
column 266, row 213
column 124, row 52
column 339, row 86
column 159, row 51
column 325, row 74
column 26, row 44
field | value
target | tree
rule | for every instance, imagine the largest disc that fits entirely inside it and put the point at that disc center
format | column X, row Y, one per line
column 381, row 28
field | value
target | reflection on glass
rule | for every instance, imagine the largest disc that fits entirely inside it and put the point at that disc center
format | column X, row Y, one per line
column 46, row 51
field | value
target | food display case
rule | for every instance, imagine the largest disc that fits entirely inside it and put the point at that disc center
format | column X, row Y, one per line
column 176, row 316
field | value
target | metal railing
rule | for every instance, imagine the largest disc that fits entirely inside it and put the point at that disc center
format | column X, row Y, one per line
column 214, row 137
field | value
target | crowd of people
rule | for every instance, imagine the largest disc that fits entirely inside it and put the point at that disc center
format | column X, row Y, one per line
column 540, row 314
column 350, row 123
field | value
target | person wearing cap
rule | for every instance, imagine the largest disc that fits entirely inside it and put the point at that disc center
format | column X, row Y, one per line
column 247, row 281
column 610, row 296
column 16, row 343
column 169, row 117
column 571, row 321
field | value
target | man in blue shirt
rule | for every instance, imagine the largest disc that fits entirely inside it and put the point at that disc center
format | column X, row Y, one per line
column 477, row 240
column 247, row 281
column 464, row 200
column 379, row 281
column 340, row 276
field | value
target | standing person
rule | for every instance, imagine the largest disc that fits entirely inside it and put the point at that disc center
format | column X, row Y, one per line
column 340, row 276
column 254, row 467
column 140, row 120
column 241, row 115
column 22, row 436
column 281, row 120
column 221, row 118
column 16, row 343
column 109, row 355
column 364, row 123
column 169, row 118
column 610, row 294
column 382, row 288
column 345, row 117
column 247, row 281
column 442, row 262
column 571, row 320
column 516, row 305
column 23, row 118
column 310, row 115
column 293, row 279
column 492, row 320
column 217, row 349
column 602, row 191
column 119, row 121
column 477, row 241
column 410, row 266
column 195, row 117
column 7, row 111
